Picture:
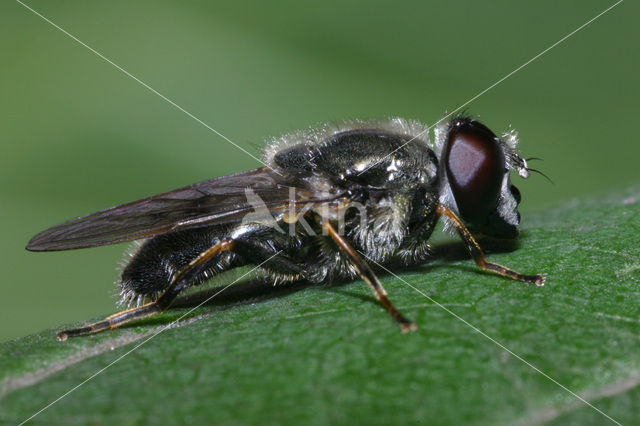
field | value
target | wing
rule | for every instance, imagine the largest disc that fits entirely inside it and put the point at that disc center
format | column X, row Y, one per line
column 215, row 201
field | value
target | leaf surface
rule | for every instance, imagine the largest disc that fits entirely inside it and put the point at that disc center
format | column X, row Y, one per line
column 323, row 355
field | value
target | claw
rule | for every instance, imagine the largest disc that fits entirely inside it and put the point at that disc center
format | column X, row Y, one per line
column 408, row 326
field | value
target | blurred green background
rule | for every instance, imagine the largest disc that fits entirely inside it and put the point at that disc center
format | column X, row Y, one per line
column 77, row 135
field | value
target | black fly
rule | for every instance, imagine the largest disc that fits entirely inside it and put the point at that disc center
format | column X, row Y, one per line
column 329, row 199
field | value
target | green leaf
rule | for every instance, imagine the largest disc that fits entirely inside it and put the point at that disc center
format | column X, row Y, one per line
column 331, row 355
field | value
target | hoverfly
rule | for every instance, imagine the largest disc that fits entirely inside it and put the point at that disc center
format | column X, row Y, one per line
column 350, row 193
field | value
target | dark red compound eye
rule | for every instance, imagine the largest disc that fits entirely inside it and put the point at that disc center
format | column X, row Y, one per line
column 475, row 168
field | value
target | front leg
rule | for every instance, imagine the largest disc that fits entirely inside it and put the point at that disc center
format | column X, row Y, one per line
column 478, row 255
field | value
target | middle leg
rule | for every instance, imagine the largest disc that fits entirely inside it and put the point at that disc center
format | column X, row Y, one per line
column 369, row 277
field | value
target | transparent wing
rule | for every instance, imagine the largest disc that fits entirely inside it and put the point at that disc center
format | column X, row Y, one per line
column 216, row 201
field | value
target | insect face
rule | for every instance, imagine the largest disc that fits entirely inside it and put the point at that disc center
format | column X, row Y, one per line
column 474, row 161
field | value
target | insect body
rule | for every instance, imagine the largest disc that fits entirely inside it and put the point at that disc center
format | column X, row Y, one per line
column 329, row 202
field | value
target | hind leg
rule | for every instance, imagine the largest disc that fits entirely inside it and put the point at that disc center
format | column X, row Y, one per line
column 153, row 265
column 180, row 281
column 258, row 246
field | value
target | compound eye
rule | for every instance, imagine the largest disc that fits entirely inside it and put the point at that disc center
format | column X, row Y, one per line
column 475, row 168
